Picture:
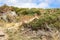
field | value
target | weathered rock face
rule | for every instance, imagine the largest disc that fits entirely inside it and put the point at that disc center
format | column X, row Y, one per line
column 8, row 16
column 11, row 16
column 13, row 13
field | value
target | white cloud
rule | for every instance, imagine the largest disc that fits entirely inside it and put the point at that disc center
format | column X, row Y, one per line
column 11, row 1
column 28, row 3
column 32, row 5
column 43, row 5
column 25, row 1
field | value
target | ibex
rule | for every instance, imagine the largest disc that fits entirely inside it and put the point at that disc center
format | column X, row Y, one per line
column 30, row 20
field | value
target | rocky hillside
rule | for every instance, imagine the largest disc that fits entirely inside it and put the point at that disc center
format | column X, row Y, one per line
column 29, row 24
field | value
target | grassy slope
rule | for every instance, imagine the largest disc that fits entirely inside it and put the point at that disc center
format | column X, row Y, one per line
column 51, row 17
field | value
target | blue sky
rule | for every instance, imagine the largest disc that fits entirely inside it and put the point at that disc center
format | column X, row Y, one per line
column 32, row 3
